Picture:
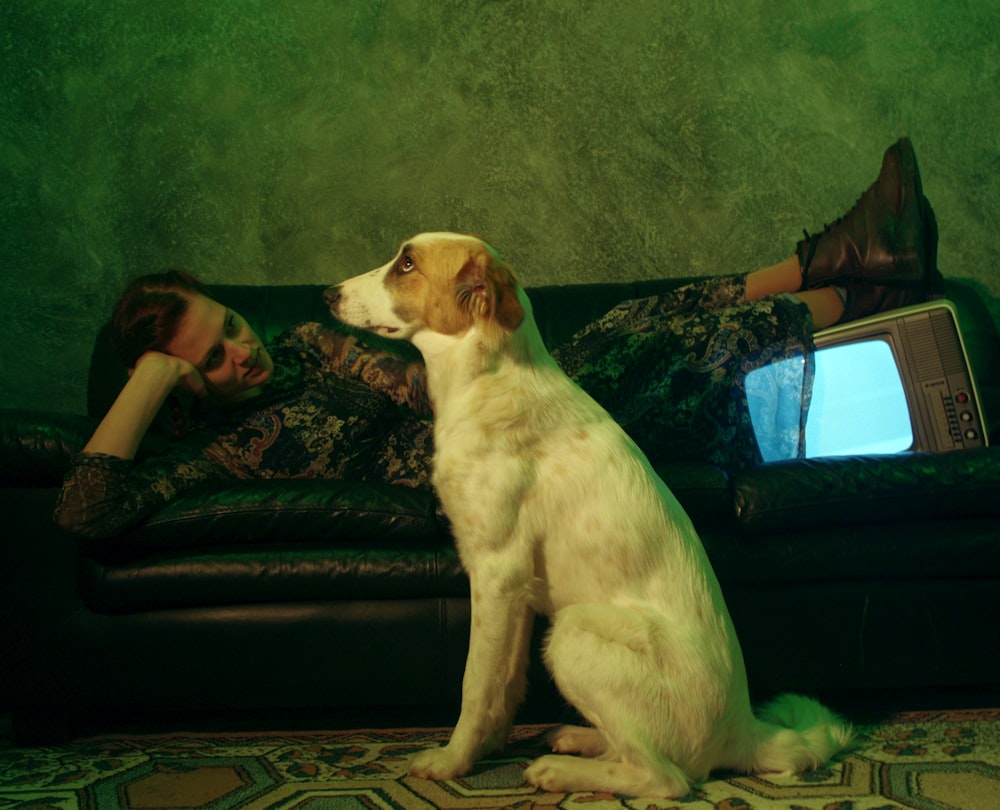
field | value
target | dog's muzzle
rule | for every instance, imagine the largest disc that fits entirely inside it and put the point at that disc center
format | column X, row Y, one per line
column 332, row 297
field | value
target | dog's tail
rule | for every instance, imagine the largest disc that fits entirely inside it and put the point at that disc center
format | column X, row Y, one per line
column 795, row 733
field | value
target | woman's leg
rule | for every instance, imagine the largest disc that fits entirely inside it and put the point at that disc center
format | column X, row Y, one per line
column 825, row 304
column 783, row 277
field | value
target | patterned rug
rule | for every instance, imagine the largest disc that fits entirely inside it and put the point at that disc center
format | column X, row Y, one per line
column 924, row 760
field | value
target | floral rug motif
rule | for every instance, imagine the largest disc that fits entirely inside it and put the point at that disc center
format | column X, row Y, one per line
column 921, row 760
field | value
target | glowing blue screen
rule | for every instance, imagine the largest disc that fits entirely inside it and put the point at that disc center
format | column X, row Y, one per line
column 858, row 404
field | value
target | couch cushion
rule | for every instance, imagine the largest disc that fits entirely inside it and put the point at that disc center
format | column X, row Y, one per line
column 277, row 541
column 263, row 513
column 269, row 512
column 795, row 495
column 281, row 541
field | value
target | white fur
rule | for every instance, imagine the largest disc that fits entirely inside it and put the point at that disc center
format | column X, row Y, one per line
column 556, row 510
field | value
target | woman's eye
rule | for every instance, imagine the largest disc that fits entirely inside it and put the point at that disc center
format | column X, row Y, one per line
column 213, row 360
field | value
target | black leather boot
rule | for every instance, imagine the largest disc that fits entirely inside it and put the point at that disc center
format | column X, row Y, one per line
column 862, row 298
column 881, row 240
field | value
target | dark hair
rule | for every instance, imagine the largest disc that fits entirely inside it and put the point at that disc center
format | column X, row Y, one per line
column 149, row 311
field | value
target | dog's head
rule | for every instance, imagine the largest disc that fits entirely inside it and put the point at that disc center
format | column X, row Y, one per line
column 444, row 283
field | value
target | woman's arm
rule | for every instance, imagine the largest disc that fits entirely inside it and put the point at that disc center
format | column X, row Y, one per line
column 102, row 492
column 152, row 380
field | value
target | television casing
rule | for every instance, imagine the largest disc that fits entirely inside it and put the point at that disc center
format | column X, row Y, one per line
column 933, row 365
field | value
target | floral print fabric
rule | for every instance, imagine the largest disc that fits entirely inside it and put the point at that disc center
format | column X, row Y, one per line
column 672, row 370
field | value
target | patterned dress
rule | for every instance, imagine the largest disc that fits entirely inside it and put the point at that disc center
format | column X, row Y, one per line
column 672, row 369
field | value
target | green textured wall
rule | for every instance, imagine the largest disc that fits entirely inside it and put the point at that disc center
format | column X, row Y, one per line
column 263, row 141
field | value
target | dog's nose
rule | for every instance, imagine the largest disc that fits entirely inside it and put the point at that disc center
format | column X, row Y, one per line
column 332, row 295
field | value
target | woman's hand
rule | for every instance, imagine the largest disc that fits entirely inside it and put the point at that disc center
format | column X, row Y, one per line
column 179, row 373
column 150, row 382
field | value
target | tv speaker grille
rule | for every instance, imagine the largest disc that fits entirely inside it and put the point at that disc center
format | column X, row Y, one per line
column 922, row 349
column 933, row 347
column 949, row 347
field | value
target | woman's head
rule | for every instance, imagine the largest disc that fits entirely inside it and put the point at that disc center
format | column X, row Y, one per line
column 171, row 312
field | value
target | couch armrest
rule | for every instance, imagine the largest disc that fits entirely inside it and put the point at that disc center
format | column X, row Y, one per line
column 829, row 492
column 36, row 447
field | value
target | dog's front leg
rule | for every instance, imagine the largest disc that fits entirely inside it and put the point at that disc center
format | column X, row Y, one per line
column 494, row 681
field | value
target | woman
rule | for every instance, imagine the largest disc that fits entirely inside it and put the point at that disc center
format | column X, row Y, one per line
column 319, row 403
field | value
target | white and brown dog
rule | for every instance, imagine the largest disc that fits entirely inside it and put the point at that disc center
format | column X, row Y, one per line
column 555, row 509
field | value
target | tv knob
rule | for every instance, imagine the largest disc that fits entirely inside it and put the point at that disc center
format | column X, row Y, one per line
column 971, row 434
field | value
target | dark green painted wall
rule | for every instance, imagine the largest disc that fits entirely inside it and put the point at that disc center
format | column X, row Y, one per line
column 299, row 142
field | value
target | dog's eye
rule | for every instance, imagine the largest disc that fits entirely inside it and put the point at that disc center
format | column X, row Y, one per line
column 405, row 264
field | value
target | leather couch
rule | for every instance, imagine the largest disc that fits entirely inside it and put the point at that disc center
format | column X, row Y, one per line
column 347, row 602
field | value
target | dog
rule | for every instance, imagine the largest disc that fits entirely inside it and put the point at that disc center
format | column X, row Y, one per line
column 554, row 509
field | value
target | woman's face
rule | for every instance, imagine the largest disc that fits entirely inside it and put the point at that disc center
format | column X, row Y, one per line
column 222, row 346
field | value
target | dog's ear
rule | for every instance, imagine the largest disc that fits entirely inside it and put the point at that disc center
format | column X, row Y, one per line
column 487, row 288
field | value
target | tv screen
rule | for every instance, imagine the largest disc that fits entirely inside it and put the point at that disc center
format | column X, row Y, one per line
column 858, row 402
column 897, row 382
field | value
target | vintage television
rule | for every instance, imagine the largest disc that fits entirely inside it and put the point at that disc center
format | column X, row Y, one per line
column 895, row 382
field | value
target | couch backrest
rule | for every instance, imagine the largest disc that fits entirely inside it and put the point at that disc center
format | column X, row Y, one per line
column 560, row 310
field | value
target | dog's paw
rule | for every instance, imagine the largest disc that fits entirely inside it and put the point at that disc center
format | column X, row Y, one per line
column 561, row 774
column 550, row 773
column 439, row 764
column 587, row 742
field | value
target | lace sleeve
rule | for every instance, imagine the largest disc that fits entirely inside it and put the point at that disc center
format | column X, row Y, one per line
column 103, row 495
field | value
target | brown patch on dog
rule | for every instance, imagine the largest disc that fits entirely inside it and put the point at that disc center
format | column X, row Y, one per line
column 419, row 281
column 487, row 288
column 450, row 284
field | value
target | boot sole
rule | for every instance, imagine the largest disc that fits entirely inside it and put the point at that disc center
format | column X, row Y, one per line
column 911, row 244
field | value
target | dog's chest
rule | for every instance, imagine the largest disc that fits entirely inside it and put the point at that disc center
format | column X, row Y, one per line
column 471, row 450
column 489, row 442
